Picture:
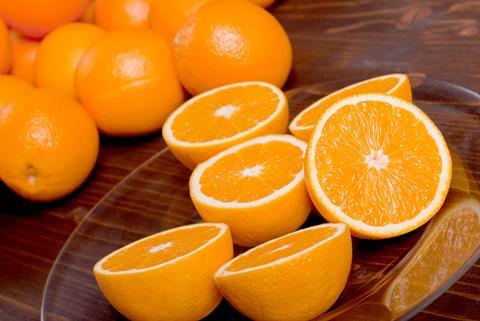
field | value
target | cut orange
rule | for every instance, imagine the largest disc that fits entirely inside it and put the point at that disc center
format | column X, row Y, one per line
column 295, row 277
column 215, row 120
column 167, row 276
column 256, row 187
column 378, row 164
column 396, row 85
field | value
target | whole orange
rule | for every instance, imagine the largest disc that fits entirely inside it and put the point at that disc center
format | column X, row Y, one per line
column 5, row 49
column 127, row 82
column 24, row 56
column 49, row 145
column 231, row 41
column 117, row 14
column 12, row 87
column 60, row 53
column 36, row 18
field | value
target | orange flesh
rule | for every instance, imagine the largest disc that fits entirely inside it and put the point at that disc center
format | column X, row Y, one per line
column 398, row 190
column 282, row 248
column 160, row 249
column 238, row 109
column 253, row 172
column 311, row 117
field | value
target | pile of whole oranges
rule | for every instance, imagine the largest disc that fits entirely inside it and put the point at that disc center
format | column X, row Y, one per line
column 119, row 67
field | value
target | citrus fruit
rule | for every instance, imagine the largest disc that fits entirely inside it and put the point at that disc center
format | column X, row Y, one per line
column 294, row 277
column 215, row 120
column 59, row 54
column 256, row 187
column 378, row 164
column 36, row 18
column 49, row 145
column 127, row 82
column 88, row 15
column 452, row 239
column 167, row 276
column 24, row 56
column 5, row 49
column 263, row 3
column 11, row 88
column 395, row 84
column 118, row 14
column 231, row 41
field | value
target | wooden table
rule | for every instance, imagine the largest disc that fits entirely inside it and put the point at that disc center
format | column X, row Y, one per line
column 332, row 39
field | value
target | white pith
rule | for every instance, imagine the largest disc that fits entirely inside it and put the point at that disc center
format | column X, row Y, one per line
column 377, row 159
column 196, row 187
column 340, row 228
column 225, row 111
column 171, row 139
column 433, row 131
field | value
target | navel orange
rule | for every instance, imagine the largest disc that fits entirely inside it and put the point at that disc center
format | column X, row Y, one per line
column 59, row 54
column 377, row 164
column 24, row 56
column 118, row 14
column 5, row 49
column 231, row 41
column 127, row 82
column 167, row 276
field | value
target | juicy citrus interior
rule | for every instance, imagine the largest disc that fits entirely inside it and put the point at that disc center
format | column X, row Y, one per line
column 160, row 249
column 253, row 172
column 281, row 248
column 228, row 112
column 384, row 169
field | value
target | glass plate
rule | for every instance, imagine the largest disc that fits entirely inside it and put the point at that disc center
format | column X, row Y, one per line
column 390, row 279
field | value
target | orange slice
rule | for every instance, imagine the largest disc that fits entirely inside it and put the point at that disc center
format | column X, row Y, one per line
column 378, row 164
column 167, row 276
column 220, row 118
column 295, row 277
column 256, row 187
column 396, row 85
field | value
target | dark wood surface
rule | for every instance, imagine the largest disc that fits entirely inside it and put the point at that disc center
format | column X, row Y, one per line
column 333, row 39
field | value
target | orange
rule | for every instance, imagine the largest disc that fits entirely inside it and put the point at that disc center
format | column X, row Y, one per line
column 49, row 144
column 88, row 15
column 59, row 55
column 127, row 82
column 231, row 41
column 167, row 276
column 396, row 85
column 36, row 18
column 377, row 164
column 263, row 3
column 256, row 187
column 295, row 277
column 11, row 88
column 215, row 120
column 118, row 14
column 5, row 49
column 24, row 56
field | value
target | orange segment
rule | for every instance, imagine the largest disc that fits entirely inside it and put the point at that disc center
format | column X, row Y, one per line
column 295, row 277
column 378, row 164
column 239, row 185
column 167, row 276
column 396, row 85
column 223, row 117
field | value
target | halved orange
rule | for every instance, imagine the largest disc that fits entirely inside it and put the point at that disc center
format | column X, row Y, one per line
column 220, row 118
column 378, row 164
column 396, row 85
column 295, row 277
column 256, row 187
column 167, row 276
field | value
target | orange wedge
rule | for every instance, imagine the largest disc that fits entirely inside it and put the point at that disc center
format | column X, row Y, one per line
column 378, row 164
column 167, row 276
column 295, row 277
column 396, row 85
column 220, row 118
column 256, row 187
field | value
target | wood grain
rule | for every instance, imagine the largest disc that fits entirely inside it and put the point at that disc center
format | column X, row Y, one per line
column 332, row 39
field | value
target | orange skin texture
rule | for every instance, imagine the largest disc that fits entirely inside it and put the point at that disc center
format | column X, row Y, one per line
column 49, row 145
column 231, row 41
column 118, row 14
column 127, row 82
column 24, row 56
column 5, row 49
column 59, row 55
column 36, row 18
